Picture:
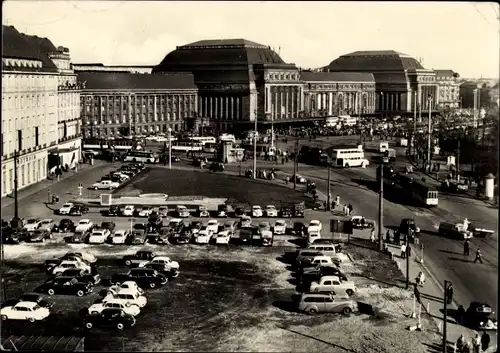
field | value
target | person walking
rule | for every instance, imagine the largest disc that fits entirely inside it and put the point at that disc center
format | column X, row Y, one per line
column 372, row 235
column 350, row 209
column 420, row 279
column 388, row 236
column 403, row 251
column 408, row 251
column 476, row 344
column 416, row 293
column 449, row 294
column 479, row 257
column 466, row 248
column 460, row 343
column 337, row 201
column 485, row 341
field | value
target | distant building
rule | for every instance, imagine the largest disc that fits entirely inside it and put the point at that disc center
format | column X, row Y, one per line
column 141, row 103
column 399, row 78
column 448, row 89
column 40, row 109
column 134, row 69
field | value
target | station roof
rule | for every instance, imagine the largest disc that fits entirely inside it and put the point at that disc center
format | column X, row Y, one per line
column 108, row 80
column 376, row 60
column 218, row 52
column 337, row 76
column 17, row 45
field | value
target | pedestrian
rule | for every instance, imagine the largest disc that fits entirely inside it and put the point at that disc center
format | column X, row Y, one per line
column 466, row 347
column 485, row 341
column 449, row 294
column 403, row 250
column 460, row 343
column 479, row 257
column 350, row 209
column 420, row 279
column 388, row 236
column 416, row 293
column 466, row 248
column 372, row 235
column 408, row 251
column 476, row 344
column 337, row 201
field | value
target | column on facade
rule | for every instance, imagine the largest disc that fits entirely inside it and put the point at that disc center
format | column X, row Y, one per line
column 278, row 102
column 275, row 101
column 292, row 101
column 237, row 108
column 287, row 101
column 330, row 103
column 227, row 108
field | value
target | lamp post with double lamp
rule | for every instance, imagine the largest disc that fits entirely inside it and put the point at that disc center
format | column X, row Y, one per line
column 169, row 147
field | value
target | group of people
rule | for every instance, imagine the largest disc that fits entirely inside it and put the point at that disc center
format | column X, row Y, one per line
column 477, row 345
column 479, row 256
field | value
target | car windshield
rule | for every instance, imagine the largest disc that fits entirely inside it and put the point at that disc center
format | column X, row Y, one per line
column 31, row 221
column 280, row 224
column 47, row 221
column 67, row 205
column 83, row 222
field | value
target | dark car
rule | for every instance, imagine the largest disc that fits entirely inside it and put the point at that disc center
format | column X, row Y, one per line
column 298, row 210
column 315, row 273
column 138, row 257
column 129, row 172
column 286, row 212
column 144, row 277
column 299, row 228
column 82, row 276
column 78, row 210
column 184, row 238
column 110, row 317
column 78, row 237
column 477, row 315
column 216, row 167
column 164, row 235
column 239, row 211
column 155, row 221
column 195, row 226
column 68, row 285
column 160, row 268
column 108, row 225
column 14, row 236
column 35, row 298
column 39, row 235
column 114, row 211
column 362, row 223
column 65, row 225
column 139, row 166
column 138, row 237
column 454, row 186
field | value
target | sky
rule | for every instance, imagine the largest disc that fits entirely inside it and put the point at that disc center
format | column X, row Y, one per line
column 461, row 36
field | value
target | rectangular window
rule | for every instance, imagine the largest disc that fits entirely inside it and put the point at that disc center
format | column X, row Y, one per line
column 28, row 168
column 37, row 134
column 22, row 176
column 39, row 162
column 11, row 179
column 4, row 182
column 19, row 140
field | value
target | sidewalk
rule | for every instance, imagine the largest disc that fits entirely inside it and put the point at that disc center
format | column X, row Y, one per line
column 431, row 295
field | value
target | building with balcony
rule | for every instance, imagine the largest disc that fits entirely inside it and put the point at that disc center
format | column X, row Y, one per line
column 448, row 89
column 31, row 79
column 400, row 80
column 121, row 103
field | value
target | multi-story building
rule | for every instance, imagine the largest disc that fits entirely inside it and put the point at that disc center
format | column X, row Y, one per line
column 30, row 101
column 134, row 69
column 448, row 89
column 400, row 80
column 114, row 102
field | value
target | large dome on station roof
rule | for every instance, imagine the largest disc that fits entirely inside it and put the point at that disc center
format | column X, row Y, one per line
column 375, row 60
column 217, row 52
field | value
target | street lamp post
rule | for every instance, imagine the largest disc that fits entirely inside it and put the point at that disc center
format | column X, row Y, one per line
column 255, row 148
column 414, row 134
column 429, row 128
column 381, row 209
column 169, row 147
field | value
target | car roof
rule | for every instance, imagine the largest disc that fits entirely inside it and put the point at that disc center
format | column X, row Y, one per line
column 27, row 304
column 336, row 278
column 120, row 231
column 161, row 258
column 85, row 220
column 315, row 295
column 126, row 291
column 130, row 282
column 47, row 220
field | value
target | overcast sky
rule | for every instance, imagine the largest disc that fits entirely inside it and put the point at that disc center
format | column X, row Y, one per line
column 460, row 36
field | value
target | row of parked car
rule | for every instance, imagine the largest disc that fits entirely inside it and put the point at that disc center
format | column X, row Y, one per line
column 115, row 178
column 76, row 274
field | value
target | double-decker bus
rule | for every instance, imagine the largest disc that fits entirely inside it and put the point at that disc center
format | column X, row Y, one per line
column 186, row 146
column 349, row 157
column 417, row 190
column 141, row 156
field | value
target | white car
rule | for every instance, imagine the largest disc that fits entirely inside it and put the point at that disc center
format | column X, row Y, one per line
column 146, row 211
column 315, row 225
column 300, row 179
column 128, row 210
column 167, row 263
column 280, row 227
column 120, row 236
column 333, row 284
column 47, row 224
column 84, row 225
column 131, row 297
column 182, row 211
column 86, row 256
column 66, row 208
column 203, row 236
column 112, row 302
column 99, row 236
column 271, row 211
column 105, row 185
column 257, row 211
column 29, row 311
column 71, row 264
column 313, row 235
column 32, row 224
column 121, row 175
column 131, row 285
column 223, row 237
column 213, row 225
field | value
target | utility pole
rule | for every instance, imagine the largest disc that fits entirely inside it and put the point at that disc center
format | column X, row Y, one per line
column 295, row 163
column 414, row 135
column 16, row 204
column 429, row 127
column 408, row 257
column 255, row 148
column 328, row 197
column 381, row 210
column 445, row 314
column 458, row 159
column 419, row 105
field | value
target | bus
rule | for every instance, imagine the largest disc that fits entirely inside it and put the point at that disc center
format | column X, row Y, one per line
column 209, row 147
column 203, row 139
column 122, row 144
column 417, row 190
column 186, row 146
column 349, row 157
column 141, row 156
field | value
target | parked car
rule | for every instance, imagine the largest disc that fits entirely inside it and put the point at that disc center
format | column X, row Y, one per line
column 164, row 265
column 271, row 211
column 479, row 316
column 65, row 225
column 203, row 236
column 144, row 277
column 32, row 224
column 120, row 236
column 38, row 236
column 99, row 236
column 286, row 212
column 108, row 225
column 85, row 256
column 128, row 211
column 138, row 237
column 47, row 224
column 68, row 285
column 245, row 222
column 333, row 284
column 312, row 274
column 163, row 211
column 142, row 256
column 25, row 311
column 78, row 237
column 114, row 210
column 360, row 222
column 223, row 238
column 65, row 208
column 454, row 186
column 279, row 227
column 82, row 275
column 313, row 235
column 203, row 212
column 155, row 221
column 113, row 290
column 105, row 185
column 313, row 303
column 110, row 317
column 115, row 303
column 184, row 238
column 314, row 225
column 35, row 298
column 257, row 211
column 145, row 211
column 70, row 264
column 299, row 228
column 78, row 210
column 83, row 225
column 298, row 210
column 454, row 231
column 239, row 211
column 182, row 212
column 195, row 226
column 306, row 254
